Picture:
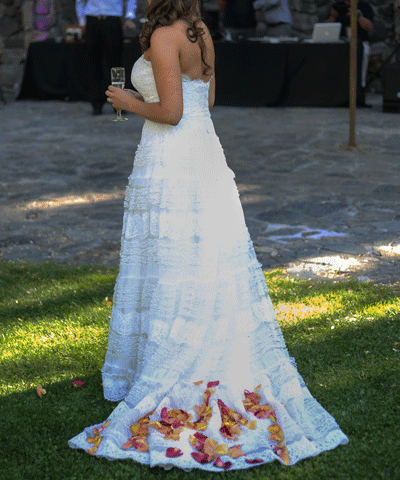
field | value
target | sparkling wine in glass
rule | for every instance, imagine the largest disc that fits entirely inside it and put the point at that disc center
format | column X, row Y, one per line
column 118, row 80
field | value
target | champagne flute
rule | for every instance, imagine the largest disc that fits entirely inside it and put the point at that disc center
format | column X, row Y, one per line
column 118, row 80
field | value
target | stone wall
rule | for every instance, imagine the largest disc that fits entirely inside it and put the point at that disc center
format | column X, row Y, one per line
column 17, row 30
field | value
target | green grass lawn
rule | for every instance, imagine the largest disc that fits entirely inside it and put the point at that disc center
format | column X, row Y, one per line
column 53, row 329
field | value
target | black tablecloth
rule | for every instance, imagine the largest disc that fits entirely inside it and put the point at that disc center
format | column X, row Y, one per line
column 248, row 74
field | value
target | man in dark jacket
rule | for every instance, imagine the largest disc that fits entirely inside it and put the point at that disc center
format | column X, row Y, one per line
column 238, row 18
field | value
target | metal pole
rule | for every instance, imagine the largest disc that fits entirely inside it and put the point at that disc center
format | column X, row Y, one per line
column 353, row 72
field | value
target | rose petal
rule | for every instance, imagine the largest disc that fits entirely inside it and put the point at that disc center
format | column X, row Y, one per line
column 200, row 426
column 198, row 383
column 219, row 463
column 200, row 457
column 235, row 452
column 212, row 384
column 222, row 449
column 128, row 444
column 78, row 383
column 173, row 452
column 252, row 425
column 283, row 453
column 92, row 450
column 254, row 461
column 209, row 446
column 40, row 391
column 258, row 388
column 164, row 414
column 140, row 444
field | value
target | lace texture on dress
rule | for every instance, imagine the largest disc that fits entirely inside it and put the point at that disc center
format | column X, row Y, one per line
column 191, row 303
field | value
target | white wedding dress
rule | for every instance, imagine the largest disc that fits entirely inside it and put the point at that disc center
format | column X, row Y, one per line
column 191, row 304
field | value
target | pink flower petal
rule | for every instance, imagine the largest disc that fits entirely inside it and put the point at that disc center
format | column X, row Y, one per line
column 219, row 463
column 78, row 383
column 200, row 457
column 212, row 384
column 173, row 452
column 164, row 413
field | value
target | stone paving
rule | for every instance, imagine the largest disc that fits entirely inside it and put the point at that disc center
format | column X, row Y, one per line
column 311, row 206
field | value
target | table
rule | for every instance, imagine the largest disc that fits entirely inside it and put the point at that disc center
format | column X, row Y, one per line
column 248, row 74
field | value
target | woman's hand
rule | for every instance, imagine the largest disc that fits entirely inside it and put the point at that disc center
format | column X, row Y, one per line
column 121, row 99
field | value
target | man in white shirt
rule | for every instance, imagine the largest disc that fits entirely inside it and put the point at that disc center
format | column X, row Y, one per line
column 104, row 21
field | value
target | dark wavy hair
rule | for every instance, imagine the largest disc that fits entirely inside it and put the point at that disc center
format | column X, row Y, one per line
column 160, row 13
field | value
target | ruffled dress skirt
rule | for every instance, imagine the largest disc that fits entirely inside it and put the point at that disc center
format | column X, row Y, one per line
column 195, row 354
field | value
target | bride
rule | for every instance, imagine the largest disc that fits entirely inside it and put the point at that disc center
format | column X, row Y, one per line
column 195, row 354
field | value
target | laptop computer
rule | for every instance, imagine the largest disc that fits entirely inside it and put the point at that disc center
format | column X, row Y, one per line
column 326, row 32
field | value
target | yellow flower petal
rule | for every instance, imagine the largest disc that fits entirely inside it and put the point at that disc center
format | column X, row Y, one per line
column 209, row 446
column 222, row 449
column 252, row 425
column 134, row 429
column 91, row 439
column 258, row 388
column 200, row 426
column 198, row 383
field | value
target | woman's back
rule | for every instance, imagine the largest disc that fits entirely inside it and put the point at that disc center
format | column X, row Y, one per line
column 190, row 55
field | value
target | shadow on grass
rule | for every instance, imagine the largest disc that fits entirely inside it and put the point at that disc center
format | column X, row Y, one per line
column 92, row 286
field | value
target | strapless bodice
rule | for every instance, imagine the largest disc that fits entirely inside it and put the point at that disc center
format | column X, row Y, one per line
column 195, row 91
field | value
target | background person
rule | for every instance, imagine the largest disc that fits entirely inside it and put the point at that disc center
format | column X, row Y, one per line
column 273, row 18
column 238, row 18
column 340, row 12
column 104, row 37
